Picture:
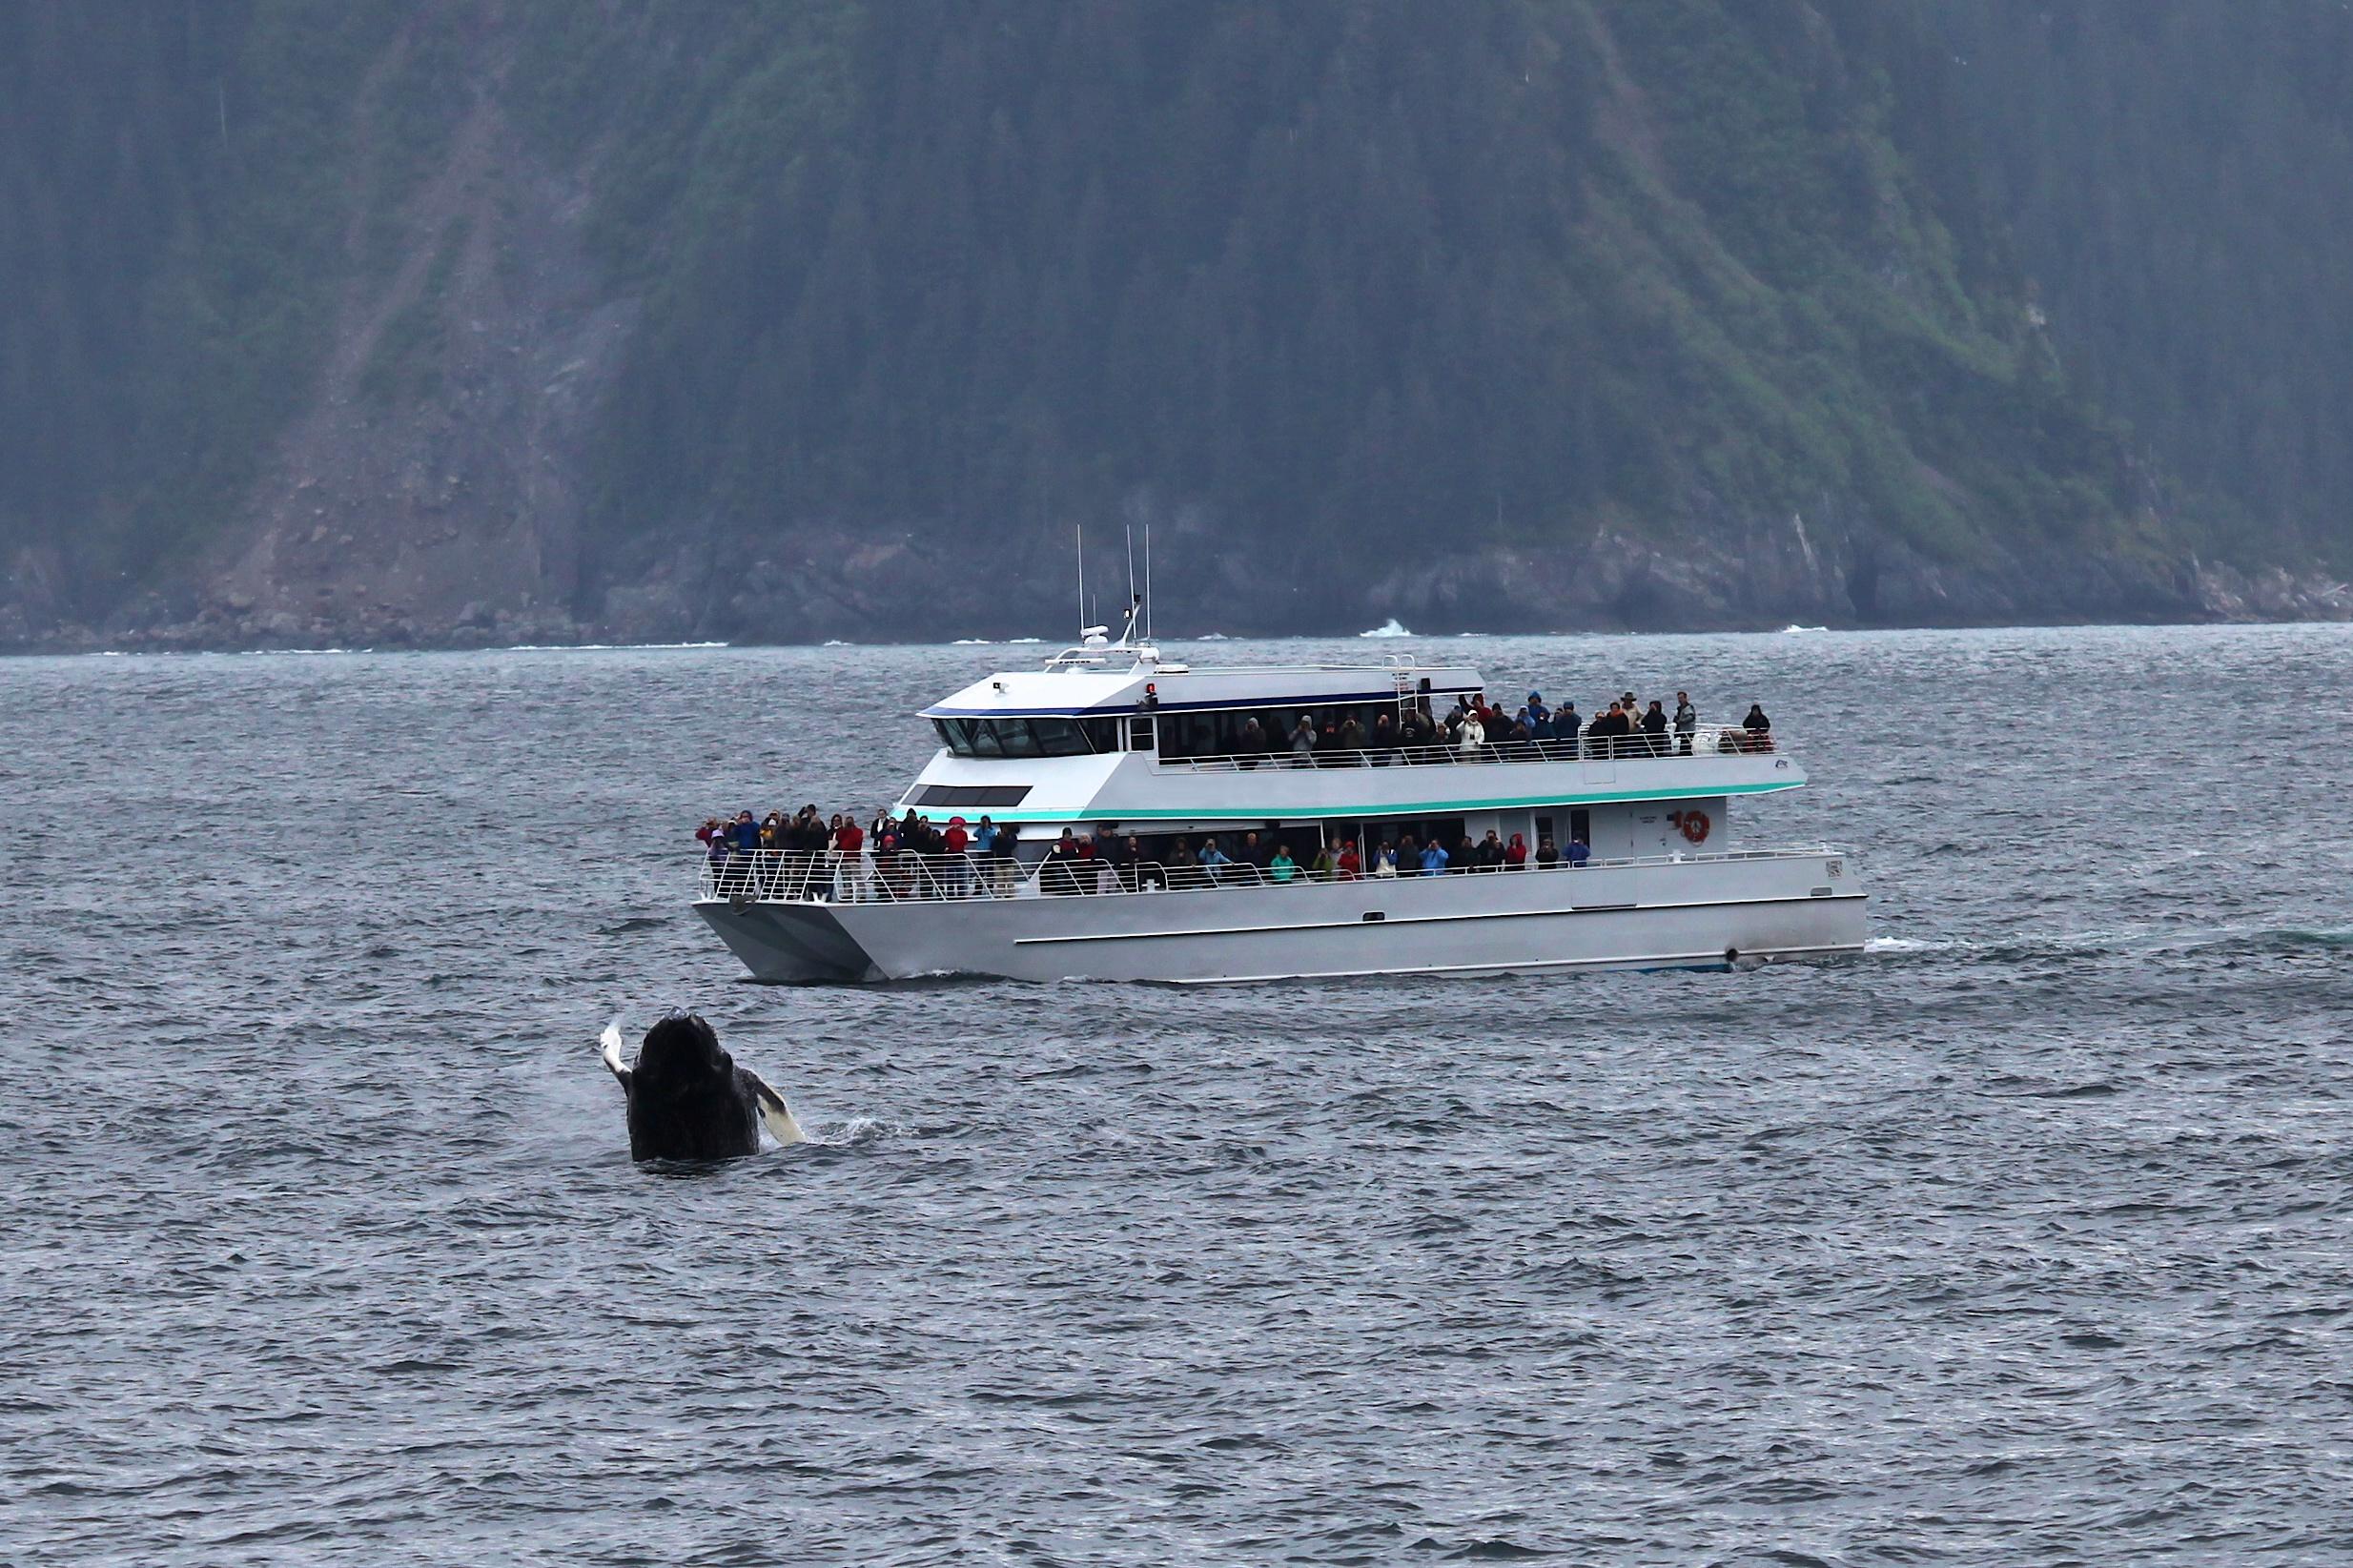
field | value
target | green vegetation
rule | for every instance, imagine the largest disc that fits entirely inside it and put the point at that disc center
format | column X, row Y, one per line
column 1341, row 273
column 2178, row 179
column 171, row 210
column 1339, row 278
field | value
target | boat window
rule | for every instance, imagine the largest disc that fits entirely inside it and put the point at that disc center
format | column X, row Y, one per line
column 981, row 795
column 1041, row 736
column 1058, row 737
column 1224, row 731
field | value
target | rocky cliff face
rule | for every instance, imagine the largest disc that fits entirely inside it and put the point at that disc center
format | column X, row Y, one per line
column 1618, row 318
column 428, row 492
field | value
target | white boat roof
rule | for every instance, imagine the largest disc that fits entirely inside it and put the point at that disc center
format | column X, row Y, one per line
column 1069, row 688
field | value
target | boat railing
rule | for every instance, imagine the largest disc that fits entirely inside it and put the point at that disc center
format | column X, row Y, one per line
column 1707, row 740
column 774, row 876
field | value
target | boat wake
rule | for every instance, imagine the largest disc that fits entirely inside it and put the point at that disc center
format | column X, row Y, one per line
column 2267, row 941
column 1916, row 945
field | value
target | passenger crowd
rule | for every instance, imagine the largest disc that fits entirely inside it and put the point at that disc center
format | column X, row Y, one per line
column 804, row 857
column 807, row 855
column 810, row 855
column 1476, row 730
column 1076, row 862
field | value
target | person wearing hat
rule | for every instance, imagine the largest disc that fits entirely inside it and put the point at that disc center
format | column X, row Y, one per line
column 1472, row 741
column 719, row 847
column 1303, row 742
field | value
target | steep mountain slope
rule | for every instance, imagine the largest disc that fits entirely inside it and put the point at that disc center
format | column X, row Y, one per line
column 2180, row 180
column 462, row 319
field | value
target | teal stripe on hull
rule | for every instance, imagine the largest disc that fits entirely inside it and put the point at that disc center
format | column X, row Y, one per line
column 1410, row 808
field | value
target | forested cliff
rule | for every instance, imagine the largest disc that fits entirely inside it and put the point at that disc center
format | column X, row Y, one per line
column 459, row 320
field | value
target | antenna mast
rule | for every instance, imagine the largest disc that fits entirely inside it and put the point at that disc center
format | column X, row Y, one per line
column 1147, row 579
column 1082, row 532
column 1127, row 633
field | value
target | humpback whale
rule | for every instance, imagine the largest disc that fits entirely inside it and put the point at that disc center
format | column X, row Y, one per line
column 688, row 1100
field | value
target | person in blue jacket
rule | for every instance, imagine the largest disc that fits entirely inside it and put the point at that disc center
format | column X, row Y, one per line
column 1433, row 858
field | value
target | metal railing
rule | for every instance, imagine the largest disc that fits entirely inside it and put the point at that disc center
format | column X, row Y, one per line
column 770, row 876
column 1707, row 740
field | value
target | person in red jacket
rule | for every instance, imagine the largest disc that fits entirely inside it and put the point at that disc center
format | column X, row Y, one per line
column 849, row 839
column 954, row 843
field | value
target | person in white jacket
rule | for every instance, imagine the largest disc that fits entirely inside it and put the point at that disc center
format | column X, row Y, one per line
column 1474, row 736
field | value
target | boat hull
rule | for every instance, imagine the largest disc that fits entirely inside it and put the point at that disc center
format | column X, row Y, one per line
column 1702, row 913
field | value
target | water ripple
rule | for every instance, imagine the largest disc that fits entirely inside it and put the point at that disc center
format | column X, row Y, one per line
column 2021, row 1240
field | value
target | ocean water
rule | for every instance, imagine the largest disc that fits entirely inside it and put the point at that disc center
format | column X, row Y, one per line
column 2027, row 1239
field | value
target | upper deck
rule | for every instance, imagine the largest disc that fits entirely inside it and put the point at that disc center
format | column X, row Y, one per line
column 1160, row 743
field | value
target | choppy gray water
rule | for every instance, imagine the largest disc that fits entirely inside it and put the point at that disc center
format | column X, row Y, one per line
column 2023, row 1241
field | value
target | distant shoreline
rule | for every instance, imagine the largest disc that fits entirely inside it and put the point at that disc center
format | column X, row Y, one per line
column 1026, row 645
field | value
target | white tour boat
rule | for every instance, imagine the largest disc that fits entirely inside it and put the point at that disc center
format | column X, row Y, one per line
column 1114, row 742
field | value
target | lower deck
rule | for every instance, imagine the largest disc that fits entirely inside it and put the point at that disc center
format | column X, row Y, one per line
column 1675, row 911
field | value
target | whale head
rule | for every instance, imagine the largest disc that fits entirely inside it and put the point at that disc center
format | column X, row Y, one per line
column 688, row 1100
column 680, row 1049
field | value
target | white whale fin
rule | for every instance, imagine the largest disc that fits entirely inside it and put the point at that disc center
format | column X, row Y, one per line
column 774, row 1114
column 610, row 1040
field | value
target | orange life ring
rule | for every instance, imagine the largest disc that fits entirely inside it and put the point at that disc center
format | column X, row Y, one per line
column 1694, row 826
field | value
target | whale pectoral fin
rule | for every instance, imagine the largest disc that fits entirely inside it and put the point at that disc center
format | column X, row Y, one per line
column 610, row 1040
column 774, row 1114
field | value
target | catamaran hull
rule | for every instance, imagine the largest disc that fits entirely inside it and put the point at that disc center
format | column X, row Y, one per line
column 1696, row 914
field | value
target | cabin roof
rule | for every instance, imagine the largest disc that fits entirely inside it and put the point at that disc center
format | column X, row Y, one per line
column 1183, row 689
